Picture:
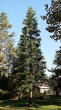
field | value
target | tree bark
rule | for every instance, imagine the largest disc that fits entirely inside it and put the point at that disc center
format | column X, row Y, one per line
column 30, row 98
column 30, row 95
column 51, row 1
column 0, row 61
column 57, row 91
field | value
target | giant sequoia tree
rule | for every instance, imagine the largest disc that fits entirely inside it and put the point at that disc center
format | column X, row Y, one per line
column 31, row 64
column 53, row 19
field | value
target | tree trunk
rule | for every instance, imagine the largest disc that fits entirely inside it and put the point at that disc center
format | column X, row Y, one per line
column 51, row 1
column 8, row 81
column 57, row 91
column 30, row 96
column 0, row 77
column 19, row 96
column 0, row 61
column 30, row 91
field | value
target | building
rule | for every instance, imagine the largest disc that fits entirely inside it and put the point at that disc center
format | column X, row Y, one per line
column 44, row 87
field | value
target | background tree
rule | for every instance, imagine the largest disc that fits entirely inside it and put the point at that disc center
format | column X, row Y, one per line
column 31, row 65
column 56, row 77
column 6, row 43
column 10, row 56
column 53, row 19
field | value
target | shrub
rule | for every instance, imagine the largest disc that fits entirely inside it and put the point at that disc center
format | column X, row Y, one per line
column 40, row 96
column 4, row 95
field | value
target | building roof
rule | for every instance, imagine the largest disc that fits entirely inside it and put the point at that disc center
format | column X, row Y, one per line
column 43, row 87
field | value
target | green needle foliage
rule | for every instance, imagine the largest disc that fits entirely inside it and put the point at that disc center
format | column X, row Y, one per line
column 30, row 65
column 53, row 19
column 57, row 62
column 56, row 77
column 6, row 45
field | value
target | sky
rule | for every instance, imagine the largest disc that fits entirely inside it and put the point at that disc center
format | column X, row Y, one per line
column 16, row 11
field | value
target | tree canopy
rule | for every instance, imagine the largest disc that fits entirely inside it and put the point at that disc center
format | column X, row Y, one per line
column 53, row 19
column 30, row 65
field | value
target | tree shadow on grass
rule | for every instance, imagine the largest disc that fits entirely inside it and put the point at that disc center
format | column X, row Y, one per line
column 36, row 103
column 59, row 109
column 50, row 101
column 14, row 103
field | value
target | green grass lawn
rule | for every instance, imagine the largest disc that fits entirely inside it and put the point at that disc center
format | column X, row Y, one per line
column 52, row 103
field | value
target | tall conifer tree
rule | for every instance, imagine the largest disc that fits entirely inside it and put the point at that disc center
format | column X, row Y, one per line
column 31, row 62
column 6, row 42
column 53, row 19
